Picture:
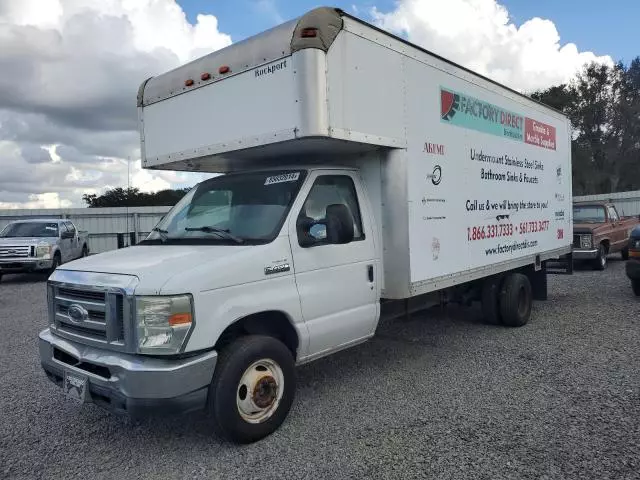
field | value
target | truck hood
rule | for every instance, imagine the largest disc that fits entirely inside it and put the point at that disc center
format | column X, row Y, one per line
column 168, row 269
column 587, row 227
column 26, row 240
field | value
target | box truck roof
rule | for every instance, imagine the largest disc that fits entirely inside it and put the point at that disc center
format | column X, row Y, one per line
column 317, row 28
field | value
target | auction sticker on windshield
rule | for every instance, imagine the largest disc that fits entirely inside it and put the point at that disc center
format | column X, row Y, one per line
column 286, row 177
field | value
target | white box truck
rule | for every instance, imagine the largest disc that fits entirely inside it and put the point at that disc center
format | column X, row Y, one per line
column 360, row 177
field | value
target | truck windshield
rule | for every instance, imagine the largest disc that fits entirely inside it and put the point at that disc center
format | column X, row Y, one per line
column 30, row 229
column 234, row 209
column 588, row 214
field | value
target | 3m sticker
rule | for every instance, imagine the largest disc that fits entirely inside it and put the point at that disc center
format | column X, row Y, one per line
column 287, row 177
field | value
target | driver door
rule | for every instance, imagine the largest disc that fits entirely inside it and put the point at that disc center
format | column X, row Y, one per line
column 337, row 283
column 65, row 243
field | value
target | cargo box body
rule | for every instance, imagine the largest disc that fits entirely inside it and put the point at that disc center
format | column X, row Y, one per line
column 467, row 178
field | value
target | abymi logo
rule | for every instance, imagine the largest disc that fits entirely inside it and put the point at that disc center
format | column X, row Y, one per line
column 449, row 104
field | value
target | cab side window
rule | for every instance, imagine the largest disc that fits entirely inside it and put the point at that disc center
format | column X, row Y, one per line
column 613, row 216
column 63, row 230
column 70, row 228
column 328, row 191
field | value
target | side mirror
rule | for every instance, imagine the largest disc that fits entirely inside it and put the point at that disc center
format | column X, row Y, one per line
column 310, row 232
column 339, row 224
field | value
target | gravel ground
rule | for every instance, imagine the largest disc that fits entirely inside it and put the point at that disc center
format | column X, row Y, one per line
column 439, row 396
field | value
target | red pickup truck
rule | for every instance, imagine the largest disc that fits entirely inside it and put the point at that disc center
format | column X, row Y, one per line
column 598, row 230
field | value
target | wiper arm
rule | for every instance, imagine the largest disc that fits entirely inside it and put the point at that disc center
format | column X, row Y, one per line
column 218, row 231
column 163, row 233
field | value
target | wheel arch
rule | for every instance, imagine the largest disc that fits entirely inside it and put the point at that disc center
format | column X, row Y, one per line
column 274, row 323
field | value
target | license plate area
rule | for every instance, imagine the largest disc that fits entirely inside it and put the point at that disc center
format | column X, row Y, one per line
column 76, row 386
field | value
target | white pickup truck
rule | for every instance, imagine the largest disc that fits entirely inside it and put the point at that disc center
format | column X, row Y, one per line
column 40, row 245
column 363, row 177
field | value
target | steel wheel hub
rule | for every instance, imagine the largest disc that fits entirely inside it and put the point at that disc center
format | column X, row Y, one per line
column 259, row 391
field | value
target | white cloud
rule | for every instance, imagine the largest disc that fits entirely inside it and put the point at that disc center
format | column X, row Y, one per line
column 70, row 74
column 479, row 35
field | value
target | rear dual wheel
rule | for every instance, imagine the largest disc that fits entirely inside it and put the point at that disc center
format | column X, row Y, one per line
column 507, row 300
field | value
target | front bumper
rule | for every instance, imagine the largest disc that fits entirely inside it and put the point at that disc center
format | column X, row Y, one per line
column 585, row 253
column 133, row 385
column 633, row 269
column 22, row 265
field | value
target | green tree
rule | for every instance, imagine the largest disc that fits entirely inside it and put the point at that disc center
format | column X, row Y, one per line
column 133, row 197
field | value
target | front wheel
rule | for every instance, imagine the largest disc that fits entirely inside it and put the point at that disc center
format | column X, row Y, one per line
column 600, row 262
column 85, row 251
column 252, row 389
column 55, row 264
column 635, row 285
column 625, row 253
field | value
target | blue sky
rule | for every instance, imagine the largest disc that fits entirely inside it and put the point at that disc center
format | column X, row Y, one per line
column 604, row 27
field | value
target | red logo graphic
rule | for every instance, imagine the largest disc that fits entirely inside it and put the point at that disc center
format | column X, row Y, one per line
column 449, row 103
column 560, row 233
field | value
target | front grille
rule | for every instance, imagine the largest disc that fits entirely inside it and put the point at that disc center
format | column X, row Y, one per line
column 21, row 251
column 576, row 241
column 86, row 313
column 82, row 294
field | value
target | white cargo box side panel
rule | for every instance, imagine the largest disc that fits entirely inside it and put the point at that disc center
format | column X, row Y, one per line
column 489, row 177
column 365, row 92
column 242, row 110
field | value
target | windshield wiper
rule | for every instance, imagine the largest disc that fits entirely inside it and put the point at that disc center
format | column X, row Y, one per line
column 218, row 231
column 163, row 233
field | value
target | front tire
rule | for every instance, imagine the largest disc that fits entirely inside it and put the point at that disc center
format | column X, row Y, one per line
column 56, row 263
column 635, row 286
column 85, row 252
column 600, row 263
column 516, row 300
column 252, row 389
column 625, row 253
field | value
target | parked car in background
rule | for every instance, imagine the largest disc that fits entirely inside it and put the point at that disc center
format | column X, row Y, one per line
column 40, row 245
column 599, row 230
column 633, row 262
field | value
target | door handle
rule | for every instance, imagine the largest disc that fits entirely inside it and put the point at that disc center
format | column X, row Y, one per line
column 370, row 272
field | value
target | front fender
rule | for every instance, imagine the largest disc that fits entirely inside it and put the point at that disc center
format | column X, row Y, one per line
column 217, row 309
column 55, row 248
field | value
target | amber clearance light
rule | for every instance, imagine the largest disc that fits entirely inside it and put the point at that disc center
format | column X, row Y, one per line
column 309, row 32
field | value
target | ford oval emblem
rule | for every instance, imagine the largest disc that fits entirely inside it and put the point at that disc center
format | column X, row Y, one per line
column 12, row 252
column 77, row 313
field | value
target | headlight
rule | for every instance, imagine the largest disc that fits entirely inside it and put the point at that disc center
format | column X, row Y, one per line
column 43, row 250
column 163, row 323
column 585, row 241
column 635, row 243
